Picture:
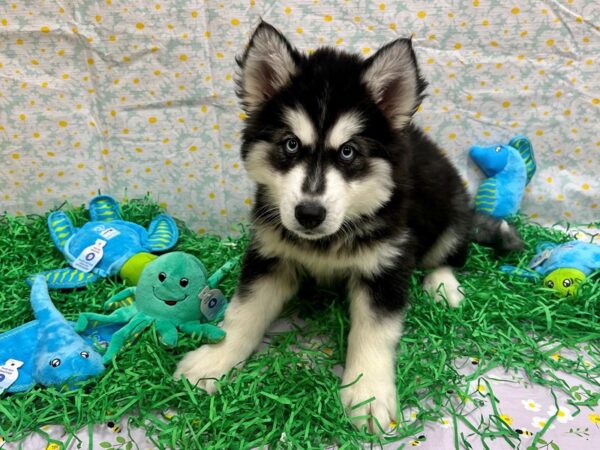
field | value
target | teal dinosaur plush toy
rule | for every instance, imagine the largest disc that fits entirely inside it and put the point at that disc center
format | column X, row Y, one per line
column 509, row 169
column 561, row 266
column 106, row 246
column 174, row 293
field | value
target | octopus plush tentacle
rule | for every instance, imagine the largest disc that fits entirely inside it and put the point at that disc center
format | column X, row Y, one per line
column 167, row 332
column 121, row 337
column 120, row 299
column 121, row 315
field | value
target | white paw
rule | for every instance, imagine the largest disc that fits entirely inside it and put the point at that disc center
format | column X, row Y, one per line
column 441, row 283
column 204, row 366
column 380, row 414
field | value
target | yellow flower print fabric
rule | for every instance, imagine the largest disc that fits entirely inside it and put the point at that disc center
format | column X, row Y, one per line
column 138, row 96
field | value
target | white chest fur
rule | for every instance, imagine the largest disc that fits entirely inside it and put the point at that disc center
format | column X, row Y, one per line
column 339, row 260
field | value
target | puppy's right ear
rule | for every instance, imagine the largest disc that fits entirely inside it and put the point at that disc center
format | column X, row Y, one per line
column 267, row 65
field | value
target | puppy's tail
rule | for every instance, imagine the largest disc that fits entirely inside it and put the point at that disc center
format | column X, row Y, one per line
column 496, row 233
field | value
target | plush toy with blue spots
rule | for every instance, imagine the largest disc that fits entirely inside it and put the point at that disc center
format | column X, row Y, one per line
column 508, row 168
column 561, row 266
column 106, row 246
column 47, row 350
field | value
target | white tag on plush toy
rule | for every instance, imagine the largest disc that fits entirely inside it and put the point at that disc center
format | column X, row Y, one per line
column 9, row 373
column 90, row 256
column 212, row 302
column 109, row 233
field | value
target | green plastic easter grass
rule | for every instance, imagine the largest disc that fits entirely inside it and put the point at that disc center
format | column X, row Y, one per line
column 286, row 396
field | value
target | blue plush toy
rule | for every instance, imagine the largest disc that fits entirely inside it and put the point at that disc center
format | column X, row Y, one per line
column 562, row 266
column 509, row 169
column 47, row 350
column 106, row 246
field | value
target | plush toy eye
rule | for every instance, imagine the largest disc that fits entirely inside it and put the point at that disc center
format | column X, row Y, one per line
column 292, row 145
column 212, row 302
column 550, row 284
column 162, row 277
column 347, row 153
column 498, row 149
column 567, row 282
column 184, row 282
column 85, row 355
column 55, row 362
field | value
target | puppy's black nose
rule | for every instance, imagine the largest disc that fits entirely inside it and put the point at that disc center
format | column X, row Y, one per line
column 310, row 214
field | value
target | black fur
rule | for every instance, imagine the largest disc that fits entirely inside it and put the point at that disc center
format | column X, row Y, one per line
column 428, row 195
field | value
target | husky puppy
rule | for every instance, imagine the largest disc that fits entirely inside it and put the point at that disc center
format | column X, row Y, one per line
column 347, row 190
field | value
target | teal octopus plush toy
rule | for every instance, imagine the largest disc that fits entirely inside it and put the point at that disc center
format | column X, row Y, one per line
column 174, row 293
column 47, row 350
column 106, row 246
column 561, row 266
column 509, row 169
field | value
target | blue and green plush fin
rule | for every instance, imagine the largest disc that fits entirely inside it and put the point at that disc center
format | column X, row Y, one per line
column 126, row 297
column 67, row 278
column 220, row 273
column 104, row 208
column 61, row 228
column 485, row 200
column 545, row 245
column 162, row 234
column 523, row 273
column 524, row 147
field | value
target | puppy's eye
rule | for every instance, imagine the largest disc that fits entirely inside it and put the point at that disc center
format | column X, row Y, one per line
column 292, row 146
column 183, row 282
column 162, row 277
column 347, row 153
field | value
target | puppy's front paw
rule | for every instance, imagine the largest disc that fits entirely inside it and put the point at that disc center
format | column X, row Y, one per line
column 441, row 284
column 204, row 366
column 379, row 415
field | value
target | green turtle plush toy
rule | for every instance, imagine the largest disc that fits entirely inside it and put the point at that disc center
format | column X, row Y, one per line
column 175, row 293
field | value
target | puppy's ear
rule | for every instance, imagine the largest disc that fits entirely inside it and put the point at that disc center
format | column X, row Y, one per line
column 392, row 76
column 267, row 65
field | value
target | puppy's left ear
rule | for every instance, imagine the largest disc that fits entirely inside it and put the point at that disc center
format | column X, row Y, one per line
column 393, row 79
column 268, row 64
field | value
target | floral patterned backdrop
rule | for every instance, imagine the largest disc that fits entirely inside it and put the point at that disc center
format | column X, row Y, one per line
column 137, row 96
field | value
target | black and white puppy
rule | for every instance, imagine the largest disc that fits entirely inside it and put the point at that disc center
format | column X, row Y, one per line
column 348, row 190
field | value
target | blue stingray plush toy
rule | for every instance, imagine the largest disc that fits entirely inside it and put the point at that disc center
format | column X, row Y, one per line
column 47, row 350
column 106, row 246
column 509, row 169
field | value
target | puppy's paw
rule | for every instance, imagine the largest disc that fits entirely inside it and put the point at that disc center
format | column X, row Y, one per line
column 380, row 414
column 204, row 366
column 441, row 283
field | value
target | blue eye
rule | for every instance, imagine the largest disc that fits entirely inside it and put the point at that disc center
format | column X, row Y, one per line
column 292, row 145
column 347, row 153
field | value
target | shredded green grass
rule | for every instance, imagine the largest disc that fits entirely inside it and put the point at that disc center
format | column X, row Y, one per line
column 286, row 396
